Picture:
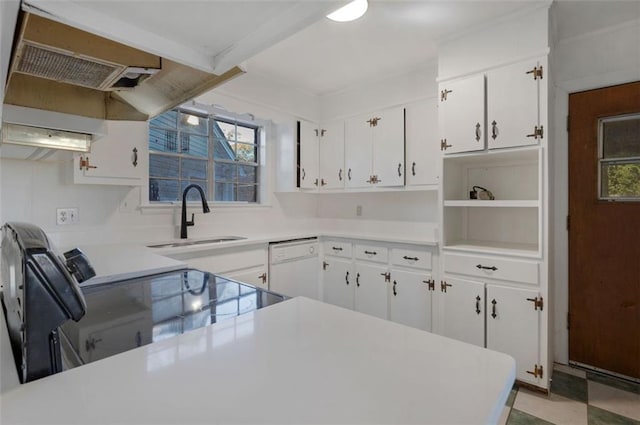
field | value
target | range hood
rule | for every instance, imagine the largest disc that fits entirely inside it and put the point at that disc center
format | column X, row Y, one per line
column 57, row 67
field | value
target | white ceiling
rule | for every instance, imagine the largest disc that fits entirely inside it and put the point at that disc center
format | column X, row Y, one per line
column 400, row 35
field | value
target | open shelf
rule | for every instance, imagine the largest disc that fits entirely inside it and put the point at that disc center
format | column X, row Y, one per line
column 493, row 204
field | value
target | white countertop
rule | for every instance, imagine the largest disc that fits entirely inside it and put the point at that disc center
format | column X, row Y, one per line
column 296, row 362
column 113, row 262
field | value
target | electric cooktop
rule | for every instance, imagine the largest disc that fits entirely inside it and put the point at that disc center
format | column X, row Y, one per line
column 132, row 313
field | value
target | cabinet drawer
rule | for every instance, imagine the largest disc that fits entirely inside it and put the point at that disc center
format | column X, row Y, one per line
column 338, row 249
column 379, row 254
column 493, row 268
column 414, row 258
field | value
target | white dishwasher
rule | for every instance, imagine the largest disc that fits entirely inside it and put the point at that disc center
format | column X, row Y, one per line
column 294, row 268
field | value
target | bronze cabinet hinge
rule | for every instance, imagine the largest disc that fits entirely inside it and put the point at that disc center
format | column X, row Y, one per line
column 431, row 284
column 444, row 285
column 373, row 122
column 387, row 276
column 538, row 132
column 537, row 371
column 537, row 72
column 84, row 163
column 537, row 303
column 443, row 145
column 444, row 93
column 263, row 277
column 325, row 265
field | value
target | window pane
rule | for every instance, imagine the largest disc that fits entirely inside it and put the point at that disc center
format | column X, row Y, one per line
column 621, row 139
column 194, row 124
column 620, row 180
column 194, row 169
column 224, row 129
column 193, row 144
column 222, row 149
column 163, row 140
column 246, row 152
column 163, row 166
column 225, row 192
column 193, row 194
column 247, row 193
column 168, row 119
column 163, row 190
column 225, row 172
column 246, row 174
column 246, row 134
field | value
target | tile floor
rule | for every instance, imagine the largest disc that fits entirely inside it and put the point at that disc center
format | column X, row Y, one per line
column 577, row 397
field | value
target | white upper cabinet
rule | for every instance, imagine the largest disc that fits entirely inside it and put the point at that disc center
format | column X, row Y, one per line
column 512, row 104
column 423, row 153
column 461, row 115
column 308, row 151
column 388, row 148
column 119, row 158
column 358, row 151
column 332, row 174
column 374, row 149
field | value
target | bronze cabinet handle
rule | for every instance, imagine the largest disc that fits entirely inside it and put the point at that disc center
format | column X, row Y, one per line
column 478, row 304
column 395, row 293
column 481, row 267
column 413, row 169
column 399, row 169
column 135, row 157
column 340, row 175
column 478, row 132
column 346, row 278
column 494, row 130
column 358, row 280
column 349, row 174
column 493, row 308
column 411, row 258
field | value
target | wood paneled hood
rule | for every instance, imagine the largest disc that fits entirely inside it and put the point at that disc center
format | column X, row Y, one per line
column 57, row 67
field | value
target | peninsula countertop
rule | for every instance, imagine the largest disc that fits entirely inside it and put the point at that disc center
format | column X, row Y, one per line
column 298, row 362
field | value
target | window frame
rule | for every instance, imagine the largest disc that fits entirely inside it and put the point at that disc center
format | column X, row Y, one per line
column 213, row 115
column 613, row 161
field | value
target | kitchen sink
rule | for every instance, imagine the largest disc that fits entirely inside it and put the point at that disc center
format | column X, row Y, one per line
column 216, row 239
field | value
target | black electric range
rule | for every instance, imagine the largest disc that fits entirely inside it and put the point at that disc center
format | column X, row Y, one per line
column 128, row 314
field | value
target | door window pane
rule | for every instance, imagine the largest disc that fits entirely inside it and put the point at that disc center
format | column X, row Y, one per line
column 246, row 174
column 164, row 166
column 619, row 144
column 246, row 152
column 225, row 192
column 225, row 172
column 166, row 120
column 621, row 138
column 195, row 124
column 194, row 169
column 620, row 180
column 247, row 193
column 163, row 190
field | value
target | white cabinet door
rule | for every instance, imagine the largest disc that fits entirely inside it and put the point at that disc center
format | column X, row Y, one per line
column 332, row 175
column 256, row 276
column 358, row 151
column 309, row 167
column 461, row 114
column 371, row 290
column 513, row 327
column 120, row 158
column 338, row 282
column 388, row 148
column 512, row 105
column 463, row 310
column 422, row 144
column 410, row 299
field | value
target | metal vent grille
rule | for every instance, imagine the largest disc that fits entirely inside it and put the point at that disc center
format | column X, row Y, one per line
column 66, row 68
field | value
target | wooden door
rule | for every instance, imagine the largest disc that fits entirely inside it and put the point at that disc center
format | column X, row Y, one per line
column 410, row 299
column 462, row 310
column 513, row 327
column 604, row 235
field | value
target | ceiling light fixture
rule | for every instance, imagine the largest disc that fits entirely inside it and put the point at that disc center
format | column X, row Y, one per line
column 350, row 12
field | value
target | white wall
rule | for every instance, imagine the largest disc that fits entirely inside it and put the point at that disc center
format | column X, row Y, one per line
column 603, row 58
column 31, row 191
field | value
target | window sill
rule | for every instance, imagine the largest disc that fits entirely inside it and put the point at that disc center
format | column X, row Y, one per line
column 226, row 206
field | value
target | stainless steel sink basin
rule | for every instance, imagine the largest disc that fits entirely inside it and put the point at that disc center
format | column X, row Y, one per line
column 216, row 239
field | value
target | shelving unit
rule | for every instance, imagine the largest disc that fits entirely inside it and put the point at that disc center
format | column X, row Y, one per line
column 511, row 223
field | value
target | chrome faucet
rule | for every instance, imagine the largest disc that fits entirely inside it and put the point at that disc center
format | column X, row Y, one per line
column 205, row 209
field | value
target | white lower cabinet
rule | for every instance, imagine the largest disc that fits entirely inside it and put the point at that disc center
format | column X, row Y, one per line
column 410, row 296
column 371, row 289
column 513, row 328
column 462, row 303
column 256, row 276
column 338, row 282
column 501, row 318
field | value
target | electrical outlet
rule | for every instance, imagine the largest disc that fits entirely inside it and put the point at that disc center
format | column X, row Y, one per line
column 66, row 216
column 359, row 210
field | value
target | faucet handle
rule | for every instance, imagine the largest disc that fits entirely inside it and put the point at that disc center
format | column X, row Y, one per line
column 192, row 222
